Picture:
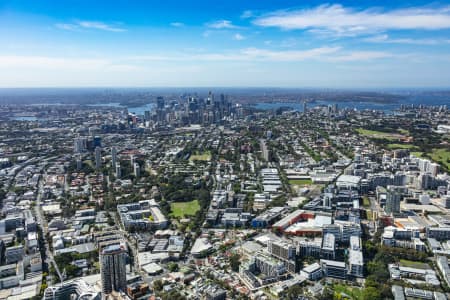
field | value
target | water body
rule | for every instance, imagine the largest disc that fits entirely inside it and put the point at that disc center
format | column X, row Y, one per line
column 137, row 110
column 24, row 118
column 140, row 110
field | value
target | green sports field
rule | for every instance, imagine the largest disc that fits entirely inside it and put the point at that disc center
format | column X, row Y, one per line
column 184, row 209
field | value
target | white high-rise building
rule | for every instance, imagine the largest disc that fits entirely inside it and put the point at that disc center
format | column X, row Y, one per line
column 79, row 144
column 137, row 170
column 423, row 165
column 118, row 171
column 433, row 168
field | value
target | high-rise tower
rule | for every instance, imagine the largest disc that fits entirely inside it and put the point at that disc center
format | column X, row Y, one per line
column 113, row 268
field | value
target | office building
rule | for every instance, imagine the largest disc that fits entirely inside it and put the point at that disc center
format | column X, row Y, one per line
column 328, row 246
column 334, row 269
column 309, row 248
column 438, row 233
column 312, row 272
column 14, row 254
column 392, row 202
column 355, row 263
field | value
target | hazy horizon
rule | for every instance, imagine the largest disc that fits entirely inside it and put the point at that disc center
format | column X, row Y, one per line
column 344, row 44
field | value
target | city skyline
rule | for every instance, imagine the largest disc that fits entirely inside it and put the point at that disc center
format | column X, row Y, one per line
column 337, row 45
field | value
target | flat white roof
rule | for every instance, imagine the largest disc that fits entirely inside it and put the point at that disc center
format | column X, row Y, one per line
column 355, row 257
column 200, row 245
column 348, row 179
column 311, row 268
column 334, row 263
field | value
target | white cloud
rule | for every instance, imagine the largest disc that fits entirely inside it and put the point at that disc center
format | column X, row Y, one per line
column 321, row 65
column 66, row 65
column 221, row 24
column 89, row 25
column 326, row 54
column 293, row 55
column 238, row 37
column 177, row 24
column 100, row 26
column 337, row 19
column 360, row 56
column 46, row 62
column 384, row 38
column 66, row 26
column 289, row 43
column 246, row 54
column 247, row 14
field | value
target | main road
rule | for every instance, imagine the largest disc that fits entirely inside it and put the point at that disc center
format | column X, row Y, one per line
column 43, row 223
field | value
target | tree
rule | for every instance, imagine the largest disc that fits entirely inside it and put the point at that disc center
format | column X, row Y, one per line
column 158, row 285
column 72, row 270
column 235, row 262
column 294, row 292
column 327, row 294
column 173, row 267
column 371, row 293
column 110, row 219
column 173, row 295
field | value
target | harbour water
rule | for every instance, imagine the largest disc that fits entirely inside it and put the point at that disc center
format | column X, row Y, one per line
column 137, row 110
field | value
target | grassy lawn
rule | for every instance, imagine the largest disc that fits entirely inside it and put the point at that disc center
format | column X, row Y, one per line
column 205, row 156
column 300, row 182
column 366, row 201
column 413, row 264
column 417, row 154
column 441, row 156
column 379, row 134
column 352, row 292
column 89, row 162
column 401, row 146
column 182, row 209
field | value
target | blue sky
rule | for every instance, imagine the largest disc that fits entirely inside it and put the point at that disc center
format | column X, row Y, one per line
column 262, row 43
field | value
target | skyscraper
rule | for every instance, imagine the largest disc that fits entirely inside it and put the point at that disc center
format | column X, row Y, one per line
column 118, row 171
column 98, row 157
column 392, row 202
column 79, row 162
column 112, row 268
column 137, row 170
column 97, row 141
column 160, row 103
column 113, row 157
column 147, row 115
column 160, row 112
column 79, row 145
